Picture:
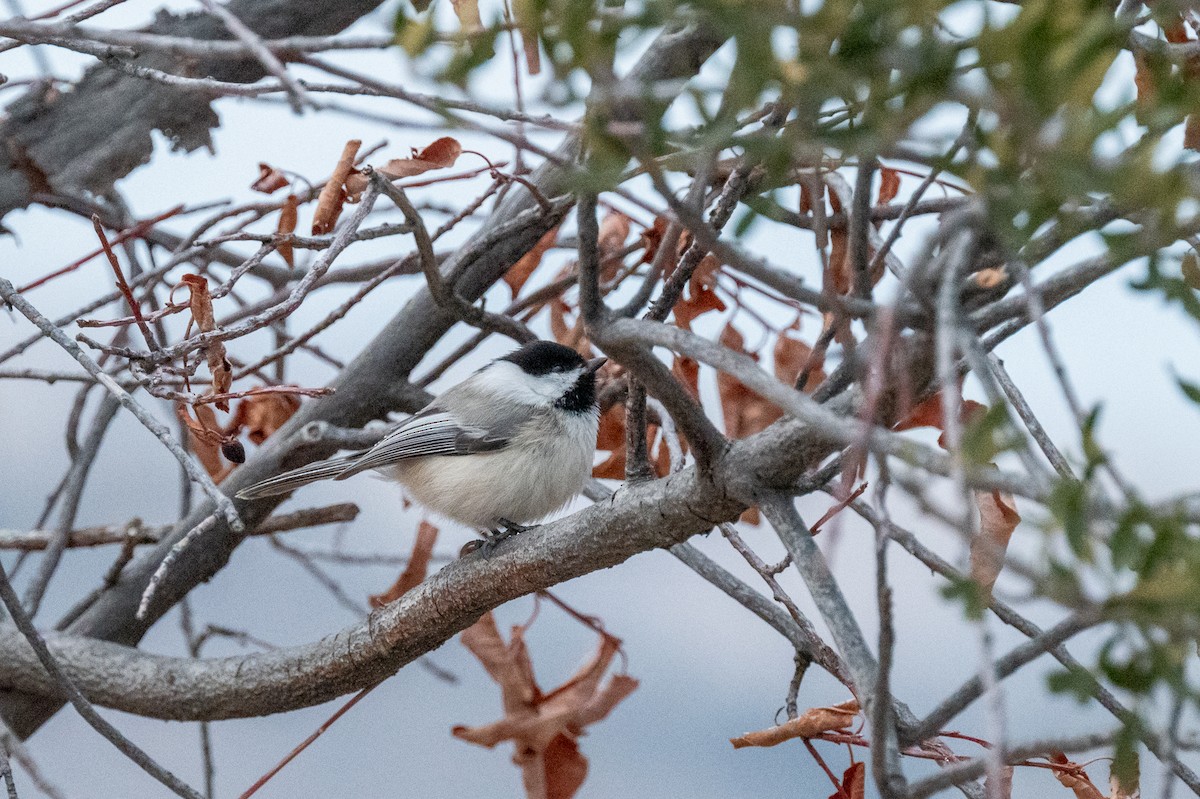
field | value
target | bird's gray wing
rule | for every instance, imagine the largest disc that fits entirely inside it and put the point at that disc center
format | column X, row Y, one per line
column 290, row 481
column 432, row 432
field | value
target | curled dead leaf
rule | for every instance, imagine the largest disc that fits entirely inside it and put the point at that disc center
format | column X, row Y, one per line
column 269, row 180
column 809, row 724
column 520, row 272
column 260, row 415
column 745, row 412
column 543, row 726
column 929, row 413
column 1074, row 777
column 201, row 307
column 440, row 154
column 792, row 356
column 333, row 193
column 285, row 229
column 687, row 372
column 699, row 298
column 889, row 185
column 998, row 518
column 651, row 239
column 854, row 782
column 205, row 439
column 614, row 231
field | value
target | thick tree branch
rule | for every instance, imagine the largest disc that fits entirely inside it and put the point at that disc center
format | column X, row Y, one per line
column 375, row 384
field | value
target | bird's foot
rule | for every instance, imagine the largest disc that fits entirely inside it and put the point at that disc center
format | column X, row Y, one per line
column 505, row 528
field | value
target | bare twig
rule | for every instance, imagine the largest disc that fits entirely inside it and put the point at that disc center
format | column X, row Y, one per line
column 77, row 700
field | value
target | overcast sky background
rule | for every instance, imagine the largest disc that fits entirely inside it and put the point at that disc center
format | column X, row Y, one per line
column 709, row 670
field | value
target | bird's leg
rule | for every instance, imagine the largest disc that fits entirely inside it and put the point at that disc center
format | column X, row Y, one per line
column 504, row 529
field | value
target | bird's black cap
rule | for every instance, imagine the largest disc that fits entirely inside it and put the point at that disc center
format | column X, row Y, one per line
column 544, row 357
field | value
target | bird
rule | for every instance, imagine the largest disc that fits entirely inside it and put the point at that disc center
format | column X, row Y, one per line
column 506, row 447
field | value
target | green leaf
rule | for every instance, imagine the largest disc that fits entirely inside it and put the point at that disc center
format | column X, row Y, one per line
column 1190, row 390
column 1076, row 682
column 972, row 596
column 1068, row 503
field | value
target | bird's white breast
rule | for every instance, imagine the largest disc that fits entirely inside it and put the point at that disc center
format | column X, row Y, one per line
column 538, row 473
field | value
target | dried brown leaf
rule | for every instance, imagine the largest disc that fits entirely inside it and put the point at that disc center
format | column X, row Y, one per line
column 998, row 518
column 415, row 571
column 611, row 439
column 199, row 302
column 562, row 330
column 745, row 412
column 792, row 355
column 507, row 664
column 838, row 272
column 520, row 272
column 854, row 782
column 687, row 371
column 809, row 724
column 700, row 298
column 468, row 15
column 286, row 227
column 201, row 307
column 889, row 185
column 260, row 415
column 269, row 180
column 929, row 413
column 651, row 240
column 1191, row 132
column 543, row 727
column 333, row 194
column 440, row 154
column 614, row 232
column 1076, row 779
column 1143, row 79
column 806, row 205
column 204, row 439
column 562, row 770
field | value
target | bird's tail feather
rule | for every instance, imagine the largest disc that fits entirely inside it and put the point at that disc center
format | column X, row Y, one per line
column 290, row 481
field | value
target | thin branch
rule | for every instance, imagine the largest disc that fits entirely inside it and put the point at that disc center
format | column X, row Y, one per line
column 160, row 431
column 82, row 705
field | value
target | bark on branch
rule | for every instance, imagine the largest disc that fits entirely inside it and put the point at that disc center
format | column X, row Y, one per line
column 375, row 384
column 100, row 130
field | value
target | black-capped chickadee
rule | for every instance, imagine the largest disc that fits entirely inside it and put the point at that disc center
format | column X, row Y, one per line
column 511, row 444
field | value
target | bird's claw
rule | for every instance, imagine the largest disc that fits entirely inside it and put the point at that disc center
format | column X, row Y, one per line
column 505, row 528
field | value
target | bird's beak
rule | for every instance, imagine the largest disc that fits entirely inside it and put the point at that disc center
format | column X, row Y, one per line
column 594, row 364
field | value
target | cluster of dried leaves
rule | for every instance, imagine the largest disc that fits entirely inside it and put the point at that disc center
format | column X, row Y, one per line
column 257, row 416
column 543, row 726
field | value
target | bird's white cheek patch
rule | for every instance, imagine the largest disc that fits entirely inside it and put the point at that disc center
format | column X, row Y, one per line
column 511, row 383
